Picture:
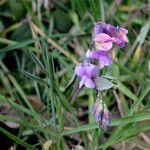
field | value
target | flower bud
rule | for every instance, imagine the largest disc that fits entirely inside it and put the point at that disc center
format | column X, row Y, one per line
column 97, row 110
column 105, row 119
column 101, row 114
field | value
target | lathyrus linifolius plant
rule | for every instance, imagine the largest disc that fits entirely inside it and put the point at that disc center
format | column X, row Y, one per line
column 103, row 37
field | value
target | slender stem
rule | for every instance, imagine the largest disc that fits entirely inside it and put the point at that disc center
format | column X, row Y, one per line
column 102, row 11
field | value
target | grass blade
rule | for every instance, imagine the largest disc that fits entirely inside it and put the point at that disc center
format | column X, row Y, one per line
column 17, row 140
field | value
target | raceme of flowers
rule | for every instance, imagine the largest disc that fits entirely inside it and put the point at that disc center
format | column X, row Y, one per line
column 103, row 37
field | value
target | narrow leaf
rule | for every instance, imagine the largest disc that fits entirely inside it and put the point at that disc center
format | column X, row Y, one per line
column 143, row 33
column 35, row 78
column 114, row 122
column 37, row 61
column 16, row 139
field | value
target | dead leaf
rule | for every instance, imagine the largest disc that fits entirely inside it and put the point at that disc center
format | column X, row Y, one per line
column 47, row 144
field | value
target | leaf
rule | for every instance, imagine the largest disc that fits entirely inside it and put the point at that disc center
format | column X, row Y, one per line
column 103, row 83
column 17, row 140
column 71, row 81
column 35, row 78
column 17, row 9
column 116, row 135
column 11, row 125
column 37, row 61
column 95, row 9
column 135, row 131
column 1, row 26
column 58, row 19
column 102, row 10
column 139, row 100
column 75, row 19
column 78, row 147
column 122, row 88
column 18, row 107
column 47, row 145
column 109, row 77
column 70, row 85
column 13, row 45
column 127, row 71
column 126, row 134
column 81, row 6
column 17, row 86
column 22, row 30
column 114, row 122
column 143, row 33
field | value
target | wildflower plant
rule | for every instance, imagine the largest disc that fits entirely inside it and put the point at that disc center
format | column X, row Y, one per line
column 103, row 37
column 39, row 47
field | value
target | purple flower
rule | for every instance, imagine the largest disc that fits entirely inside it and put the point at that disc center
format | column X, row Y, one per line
column 103, row 41
column 87, row 73
column 117, row 33
column 101, row 114
column 101, row 56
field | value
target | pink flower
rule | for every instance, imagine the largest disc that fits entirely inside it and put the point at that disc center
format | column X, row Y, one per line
column 117, row 33
column 103, row 41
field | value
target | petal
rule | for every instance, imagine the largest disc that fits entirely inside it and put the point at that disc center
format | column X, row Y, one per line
column 120, row 44
column 91, row 71
column 107, row 119
column 124, row 30
column 103, row 41
column 121, row 36
column 98, row 115
column 79, row 70
column 111, row 29
column 99, row 27
column 114, row 39
column 92, row 54
column 124, row 38
column 106, row 46
column 104, row 60
column 82, row 82
column 95, row 107
column 89, row 83
column 102, row 37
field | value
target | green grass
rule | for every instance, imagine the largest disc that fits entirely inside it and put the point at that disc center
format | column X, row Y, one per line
column 39, row 48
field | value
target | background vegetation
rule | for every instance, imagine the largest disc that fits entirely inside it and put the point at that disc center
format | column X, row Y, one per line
column 41, row 42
